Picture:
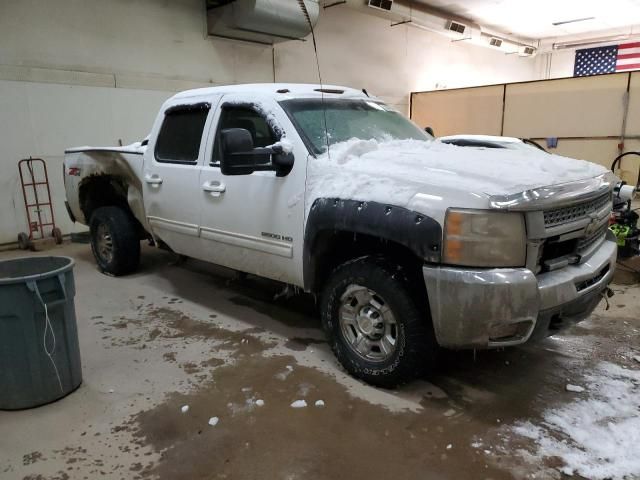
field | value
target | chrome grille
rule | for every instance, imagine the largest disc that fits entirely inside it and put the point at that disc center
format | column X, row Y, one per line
column 587, row 242
column 562, row 215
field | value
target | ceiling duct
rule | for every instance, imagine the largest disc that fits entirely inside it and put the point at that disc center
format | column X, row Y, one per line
column 455, row 27
column 527, row 51
column 260, row 21
column 429, row 19
column 407, row 12
column 381, row 4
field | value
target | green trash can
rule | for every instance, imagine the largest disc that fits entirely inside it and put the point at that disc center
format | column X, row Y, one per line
column 39, row 352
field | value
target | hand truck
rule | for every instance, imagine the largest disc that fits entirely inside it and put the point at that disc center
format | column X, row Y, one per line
column 37, row 200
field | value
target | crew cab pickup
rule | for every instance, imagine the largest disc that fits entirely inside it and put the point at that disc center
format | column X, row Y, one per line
column 409, row 243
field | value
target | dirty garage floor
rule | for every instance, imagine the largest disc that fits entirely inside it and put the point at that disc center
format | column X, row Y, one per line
column 187, row 333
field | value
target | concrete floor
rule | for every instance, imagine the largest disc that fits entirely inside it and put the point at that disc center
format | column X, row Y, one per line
column 178, row 334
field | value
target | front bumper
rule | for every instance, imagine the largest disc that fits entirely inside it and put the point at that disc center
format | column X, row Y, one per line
column 483, row 308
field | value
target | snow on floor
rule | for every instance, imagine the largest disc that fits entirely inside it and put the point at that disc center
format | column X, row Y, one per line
column 597, row 435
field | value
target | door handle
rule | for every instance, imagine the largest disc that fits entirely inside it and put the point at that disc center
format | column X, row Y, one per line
column 215, row 188
column 153, row 179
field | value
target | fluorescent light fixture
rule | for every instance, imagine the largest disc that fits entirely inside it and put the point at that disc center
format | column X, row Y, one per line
column 575, row 20
column 592, row 41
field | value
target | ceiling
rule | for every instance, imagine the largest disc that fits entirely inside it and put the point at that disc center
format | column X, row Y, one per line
column 535, row 19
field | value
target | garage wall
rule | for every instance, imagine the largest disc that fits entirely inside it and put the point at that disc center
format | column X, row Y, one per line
column 556, row 64
column 364, row 51
column 453, row 111
column 586, row 114
column 78, row 72
column 90, row 72
column 41, row 120
column 570, row 107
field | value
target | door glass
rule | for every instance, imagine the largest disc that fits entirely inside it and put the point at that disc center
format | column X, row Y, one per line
column 181, row 134
column 247, row 118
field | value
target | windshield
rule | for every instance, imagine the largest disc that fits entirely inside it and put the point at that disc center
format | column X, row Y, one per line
column 347, row 119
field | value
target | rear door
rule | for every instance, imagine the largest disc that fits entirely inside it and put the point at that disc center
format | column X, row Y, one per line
column 254, row 222
column 170, row 179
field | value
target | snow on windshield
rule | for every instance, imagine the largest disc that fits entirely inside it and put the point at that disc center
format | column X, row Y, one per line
column 338, row 120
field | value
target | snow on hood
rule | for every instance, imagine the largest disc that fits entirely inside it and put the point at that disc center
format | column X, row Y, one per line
column 394, row 171
column 486, row 138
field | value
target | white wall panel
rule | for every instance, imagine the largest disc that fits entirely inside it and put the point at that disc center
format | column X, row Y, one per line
column 42, row 120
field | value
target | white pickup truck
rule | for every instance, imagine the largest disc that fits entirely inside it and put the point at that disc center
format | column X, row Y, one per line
column 409, row 243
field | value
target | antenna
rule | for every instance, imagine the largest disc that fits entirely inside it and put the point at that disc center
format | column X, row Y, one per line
column 303, row 7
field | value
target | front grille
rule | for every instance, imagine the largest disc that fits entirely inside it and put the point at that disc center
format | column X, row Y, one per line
column 586, row 243
column 558, row 253
column 562, row 215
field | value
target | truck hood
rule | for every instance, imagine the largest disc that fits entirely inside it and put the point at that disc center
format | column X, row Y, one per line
column 395, row 171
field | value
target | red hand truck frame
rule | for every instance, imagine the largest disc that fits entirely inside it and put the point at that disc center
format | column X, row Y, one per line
column 33, row 174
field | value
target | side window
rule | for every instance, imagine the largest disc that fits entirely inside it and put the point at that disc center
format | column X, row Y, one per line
column 243, row 117
column 181, row 133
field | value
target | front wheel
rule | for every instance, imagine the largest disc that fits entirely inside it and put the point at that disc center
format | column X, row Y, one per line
column 114, row 240
column 379, row 331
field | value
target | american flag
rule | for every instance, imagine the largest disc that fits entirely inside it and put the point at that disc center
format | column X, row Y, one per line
column 609, row 59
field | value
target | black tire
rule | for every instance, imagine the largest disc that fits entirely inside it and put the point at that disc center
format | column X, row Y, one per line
column 57, row 234
column 122, row 229
column 415, row 347
column 23, row 241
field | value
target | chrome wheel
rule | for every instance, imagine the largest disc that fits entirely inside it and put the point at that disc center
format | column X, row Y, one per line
column 367, row 324
column 104, row 243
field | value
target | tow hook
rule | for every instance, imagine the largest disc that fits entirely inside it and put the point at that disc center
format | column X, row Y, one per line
column 607, row 293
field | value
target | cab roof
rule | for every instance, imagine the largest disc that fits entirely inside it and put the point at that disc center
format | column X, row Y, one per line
column 279, row 91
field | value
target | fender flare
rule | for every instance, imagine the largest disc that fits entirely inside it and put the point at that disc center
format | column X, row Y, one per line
column 419, row 233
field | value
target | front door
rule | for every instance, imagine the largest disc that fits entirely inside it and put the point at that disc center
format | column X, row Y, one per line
column 254, row 222
column 170, row 179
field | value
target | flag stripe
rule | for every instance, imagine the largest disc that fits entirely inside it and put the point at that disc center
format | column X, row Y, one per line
column 629, row 45
column 628, row 61
column 628, row 55
column 630, row 66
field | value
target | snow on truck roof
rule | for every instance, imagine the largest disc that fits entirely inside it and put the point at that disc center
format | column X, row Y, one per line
column 277, row 90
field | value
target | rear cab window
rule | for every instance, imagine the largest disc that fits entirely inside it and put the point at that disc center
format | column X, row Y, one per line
column 181, row 133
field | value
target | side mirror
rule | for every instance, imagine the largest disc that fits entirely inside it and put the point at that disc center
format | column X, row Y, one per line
column 282, row 161
column 236, row 140
column 239, row 157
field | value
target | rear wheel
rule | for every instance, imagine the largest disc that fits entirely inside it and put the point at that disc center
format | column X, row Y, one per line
column 23, row 241
column 114, row 240
column 57, row 234
column 378, row 329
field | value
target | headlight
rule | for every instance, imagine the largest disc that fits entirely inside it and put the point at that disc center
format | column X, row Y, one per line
column 483, row 238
